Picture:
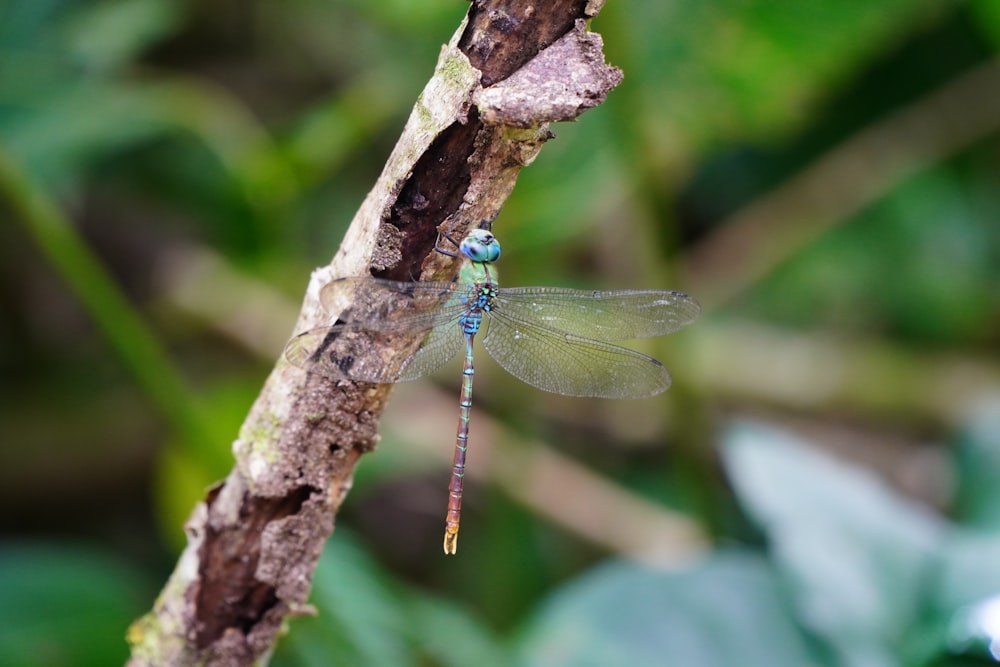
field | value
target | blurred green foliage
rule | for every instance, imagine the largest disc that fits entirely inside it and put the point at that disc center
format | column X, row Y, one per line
column 148, row 144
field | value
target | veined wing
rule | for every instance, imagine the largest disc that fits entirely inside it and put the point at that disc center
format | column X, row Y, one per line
column 393, row 331
column 569, row 364
column 597, row 315
column 390, row 306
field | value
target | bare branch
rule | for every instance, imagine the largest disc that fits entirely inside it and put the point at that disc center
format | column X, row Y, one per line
column 254, row 541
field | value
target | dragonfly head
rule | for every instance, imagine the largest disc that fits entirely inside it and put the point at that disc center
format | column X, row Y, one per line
column 480, row 246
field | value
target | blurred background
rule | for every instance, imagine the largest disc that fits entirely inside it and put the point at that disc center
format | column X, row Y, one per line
column 821, row 485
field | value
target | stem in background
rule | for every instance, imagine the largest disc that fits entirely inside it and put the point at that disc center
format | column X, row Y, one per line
column 757, row 238
column 123, row 328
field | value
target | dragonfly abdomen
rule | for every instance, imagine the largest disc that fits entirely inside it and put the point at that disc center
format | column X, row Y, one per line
column 461, row 445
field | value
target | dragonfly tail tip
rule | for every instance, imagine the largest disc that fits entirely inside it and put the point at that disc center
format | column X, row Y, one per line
column 450, row 540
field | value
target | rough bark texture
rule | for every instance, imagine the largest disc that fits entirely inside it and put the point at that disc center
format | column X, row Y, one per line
column 511, row 68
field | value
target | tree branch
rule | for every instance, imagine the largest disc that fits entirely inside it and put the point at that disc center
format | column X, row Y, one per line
column 254, row 541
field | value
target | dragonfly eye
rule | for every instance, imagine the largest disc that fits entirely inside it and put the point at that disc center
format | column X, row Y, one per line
column 480, row 246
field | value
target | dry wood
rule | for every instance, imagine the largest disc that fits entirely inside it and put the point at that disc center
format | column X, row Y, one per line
column 511, row 68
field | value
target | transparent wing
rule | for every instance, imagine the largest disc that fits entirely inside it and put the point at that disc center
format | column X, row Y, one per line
column 569, row 364
column 619, row 315
column 392, row 332
column 441, row 346
column 390, row 306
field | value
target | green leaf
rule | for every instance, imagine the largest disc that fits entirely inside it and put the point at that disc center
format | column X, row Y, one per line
column 108, row 35
column 987, row 13
column 965, row 616
column 723, row 611
column 854, row 553
column 365, row 618
column 734, row 68
column 65, row 605
column 360, row 621
column 977, row 458
column 446, row 634
column 969, row 571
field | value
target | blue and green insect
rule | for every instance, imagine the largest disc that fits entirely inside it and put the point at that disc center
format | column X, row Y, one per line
column 552, row 338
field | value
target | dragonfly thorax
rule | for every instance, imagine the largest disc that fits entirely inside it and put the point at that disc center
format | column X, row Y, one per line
column 478, row 301
column 485, row 293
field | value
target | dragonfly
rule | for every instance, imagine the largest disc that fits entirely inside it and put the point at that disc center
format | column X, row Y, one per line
column 558, row 340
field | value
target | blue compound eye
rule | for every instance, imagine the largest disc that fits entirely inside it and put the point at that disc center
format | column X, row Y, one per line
column 480, row 246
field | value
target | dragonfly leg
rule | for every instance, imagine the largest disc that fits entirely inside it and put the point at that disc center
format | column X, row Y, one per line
column 437, row 245
column 483, row 224
column 458, row 461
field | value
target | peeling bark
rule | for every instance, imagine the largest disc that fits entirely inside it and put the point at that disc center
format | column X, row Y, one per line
column 511, row 68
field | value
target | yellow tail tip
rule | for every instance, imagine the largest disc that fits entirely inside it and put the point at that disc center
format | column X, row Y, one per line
column 451, row 540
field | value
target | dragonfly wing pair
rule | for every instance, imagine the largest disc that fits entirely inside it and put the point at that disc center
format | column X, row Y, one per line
column 551, row 338
column 365, row 346
column 557, row 339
